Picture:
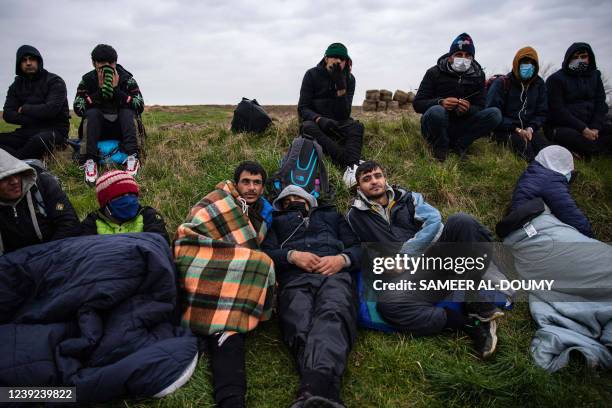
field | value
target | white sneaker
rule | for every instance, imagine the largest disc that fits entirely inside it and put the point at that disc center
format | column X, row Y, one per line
column 132, row 165
column 91, row 171
column 349, row 176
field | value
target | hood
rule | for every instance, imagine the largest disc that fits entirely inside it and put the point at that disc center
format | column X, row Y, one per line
column 525, row 52
column 556, row 158
column 571, row 50
column 363, row 203
column 10, row 165
column 27, row 50
column 443, row 65
column 297, row 191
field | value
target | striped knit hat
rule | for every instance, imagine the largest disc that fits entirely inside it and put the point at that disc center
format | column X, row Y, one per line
column 113, row 184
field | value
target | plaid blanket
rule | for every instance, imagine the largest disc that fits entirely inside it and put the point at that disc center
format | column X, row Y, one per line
column 227, row 282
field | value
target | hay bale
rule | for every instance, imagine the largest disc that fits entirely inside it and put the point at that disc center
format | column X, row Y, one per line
column 400, row 96
column 372, row 95
column 386, row 95
column 410, row 97
column 369, row 106
column 381, row 106
column 393, row 105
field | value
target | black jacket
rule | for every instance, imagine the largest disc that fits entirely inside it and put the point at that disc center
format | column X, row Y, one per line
column 126, row 94
column 42, row 98
column 55, row 216
column 325, row 233
column 576, row 100
column 372, row 227
column 441, row 81
column 508, row 95
column 153, row 222
column 318, row 96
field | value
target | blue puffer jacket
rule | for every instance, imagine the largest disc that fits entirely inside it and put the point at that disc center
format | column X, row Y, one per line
column 96, row 313
column 577, row 100
column 510, row 99
column 553, row 188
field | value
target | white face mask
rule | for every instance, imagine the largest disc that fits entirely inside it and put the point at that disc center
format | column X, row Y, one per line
column 461, row 64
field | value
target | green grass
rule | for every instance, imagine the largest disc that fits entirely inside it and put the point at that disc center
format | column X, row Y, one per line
column 190, row 149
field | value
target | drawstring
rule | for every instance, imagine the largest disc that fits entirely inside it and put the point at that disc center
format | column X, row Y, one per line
column 293, row 233
column 33, row 216
column 245, row 206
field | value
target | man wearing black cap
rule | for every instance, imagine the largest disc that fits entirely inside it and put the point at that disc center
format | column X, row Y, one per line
column 36, row 100
column 577, row 104
column 324, row 108
column 451, row 98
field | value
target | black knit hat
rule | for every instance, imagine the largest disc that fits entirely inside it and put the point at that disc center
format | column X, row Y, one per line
column 463, row 42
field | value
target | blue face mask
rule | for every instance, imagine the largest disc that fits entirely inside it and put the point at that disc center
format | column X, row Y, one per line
column 526, row 71
column 124, row 208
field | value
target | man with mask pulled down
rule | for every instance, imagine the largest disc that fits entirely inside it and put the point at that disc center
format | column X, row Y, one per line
column 451, row 98
column 577, row 104
column 521, row 97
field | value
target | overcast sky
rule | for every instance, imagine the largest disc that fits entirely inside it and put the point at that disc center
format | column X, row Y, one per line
column 215, row 52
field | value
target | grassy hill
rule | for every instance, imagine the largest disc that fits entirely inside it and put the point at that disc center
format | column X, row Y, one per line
column 190, row 149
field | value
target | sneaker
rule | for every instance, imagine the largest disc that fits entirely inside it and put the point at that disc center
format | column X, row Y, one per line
column 349, row 176
column 484, row 336
column 91, row 171
column 132, row 165
column 320, row 402
column 483, row 311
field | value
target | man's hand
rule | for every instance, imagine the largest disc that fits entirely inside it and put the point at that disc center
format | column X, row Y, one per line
column 328, row 125
column 338, row 75
column 525, row 134
column 463, row 105
column 100, row 73
column 20, row 109
column 596, row 132
column 115, row 78
column 590, row 134
column 329, row 265
column 304, row 260
column 449, row 103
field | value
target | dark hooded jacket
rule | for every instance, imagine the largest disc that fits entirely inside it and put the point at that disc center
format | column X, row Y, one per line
column 441, row 81
column 577, row 99
column 126, row 94
column 323, row 232
column 318, row 95
column 41, row 97
column 523, row 103
column 43, row 212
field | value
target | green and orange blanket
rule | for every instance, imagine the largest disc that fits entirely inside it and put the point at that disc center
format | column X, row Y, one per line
column 227, row 282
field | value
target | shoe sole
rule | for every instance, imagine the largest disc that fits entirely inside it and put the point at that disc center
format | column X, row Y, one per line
column 493, row 341
column 319, row 402
column 487, row 319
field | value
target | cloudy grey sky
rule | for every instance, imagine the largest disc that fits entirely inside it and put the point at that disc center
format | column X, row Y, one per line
column 214, row 52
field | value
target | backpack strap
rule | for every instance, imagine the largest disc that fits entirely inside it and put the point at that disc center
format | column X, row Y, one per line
column 324, row 178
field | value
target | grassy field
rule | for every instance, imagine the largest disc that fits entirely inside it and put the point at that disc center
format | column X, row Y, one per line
column 190, row 149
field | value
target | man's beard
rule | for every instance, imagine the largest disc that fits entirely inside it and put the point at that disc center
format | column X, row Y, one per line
column 377, row 196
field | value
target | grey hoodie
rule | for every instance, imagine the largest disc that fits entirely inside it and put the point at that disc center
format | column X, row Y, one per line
column 296, row 191
column 9, row 166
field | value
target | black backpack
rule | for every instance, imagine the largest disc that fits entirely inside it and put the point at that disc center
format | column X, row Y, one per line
column 303, row 166
column 249, row 116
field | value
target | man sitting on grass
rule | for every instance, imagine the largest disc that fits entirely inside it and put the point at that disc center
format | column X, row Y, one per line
column 405, row 223
column 326, row 98
column 314, row 251
column 451, row 98
column 227, row 282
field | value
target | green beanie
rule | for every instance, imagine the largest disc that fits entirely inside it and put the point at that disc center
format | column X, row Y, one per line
column 337, row 50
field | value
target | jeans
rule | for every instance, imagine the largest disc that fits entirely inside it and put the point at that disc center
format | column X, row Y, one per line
column 343, row 146
column 97, row 128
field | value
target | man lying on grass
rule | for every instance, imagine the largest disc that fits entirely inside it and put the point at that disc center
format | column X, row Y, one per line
column 227, row 282
column 314, row 250
column 405, row 223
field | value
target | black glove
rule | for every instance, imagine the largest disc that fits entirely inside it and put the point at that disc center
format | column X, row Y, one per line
column 338, row 76
column 327, row 125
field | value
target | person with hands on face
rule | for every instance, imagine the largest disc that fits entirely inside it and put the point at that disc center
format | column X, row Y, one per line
column 521, row 97
column 451, row 98
column 577, row 104
column 324, row 108
column 108, row 99
column 314, row 251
